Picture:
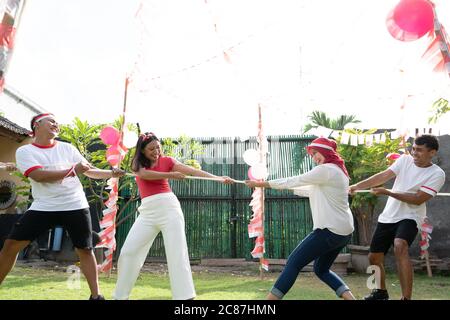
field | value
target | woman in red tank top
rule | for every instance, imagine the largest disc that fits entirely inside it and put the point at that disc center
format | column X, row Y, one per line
column 160, row 211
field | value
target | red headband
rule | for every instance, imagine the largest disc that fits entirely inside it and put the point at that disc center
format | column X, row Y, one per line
column 327, row 148
column 41, row 117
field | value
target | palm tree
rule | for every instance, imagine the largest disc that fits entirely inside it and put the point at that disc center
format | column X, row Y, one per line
column 319, row 118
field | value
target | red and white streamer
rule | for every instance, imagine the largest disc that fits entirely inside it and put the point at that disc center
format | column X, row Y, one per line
column 425, row 231
column 107, row 235
column 437, row 53
column 10, row 17
column 115, row 154
column 256, row 225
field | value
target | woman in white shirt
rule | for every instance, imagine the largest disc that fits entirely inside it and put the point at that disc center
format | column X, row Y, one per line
column 327, row 186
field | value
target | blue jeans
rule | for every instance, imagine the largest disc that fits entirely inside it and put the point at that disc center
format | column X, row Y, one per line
column 321, row 246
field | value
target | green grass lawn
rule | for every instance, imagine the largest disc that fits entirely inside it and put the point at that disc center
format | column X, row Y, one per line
column 46, row 284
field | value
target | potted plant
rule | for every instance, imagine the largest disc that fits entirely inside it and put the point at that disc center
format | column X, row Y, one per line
column 363, row 161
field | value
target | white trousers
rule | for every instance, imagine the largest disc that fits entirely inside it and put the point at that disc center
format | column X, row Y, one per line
column 160, row 212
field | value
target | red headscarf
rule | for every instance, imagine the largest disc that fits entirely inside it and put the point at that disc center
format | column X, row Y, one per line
column 327, row 148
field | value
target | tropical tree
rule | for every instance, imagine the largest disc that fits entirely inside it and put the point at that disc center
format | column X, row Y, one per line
column 85, row 137
column 319, row 118
column 184, row 148
column 363, row 161
column 439, row 108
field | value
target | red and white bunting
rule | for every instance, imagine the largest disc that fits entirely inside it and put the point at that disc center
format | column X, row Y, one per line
column 107, row 235
column 265, row 264
column 425, row 230
column 259, row 250
column 109, row 216
column 437, row 53
column 256, row 225
column 10, row 17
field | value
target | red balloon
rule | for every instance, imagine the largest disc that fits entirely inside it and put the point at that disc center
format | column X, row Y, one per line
column 110, row 135
column 410, row 20
column 393, row 156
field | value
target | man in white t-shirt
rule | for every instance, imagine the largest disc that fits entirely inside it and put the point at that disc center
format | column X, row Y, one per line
column 417, row 180
column 58, row 198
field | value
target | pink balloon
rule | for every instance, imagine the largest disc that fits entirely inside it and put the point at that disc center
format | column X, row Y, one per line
column 410, row 19
column 113, row 155
column 110, row 135
column 257, row 172
column 250, row 176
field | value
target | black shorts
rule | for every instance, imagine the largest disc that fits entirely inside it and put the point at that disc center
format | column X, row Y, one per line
column 385, row 233
column 77, row 223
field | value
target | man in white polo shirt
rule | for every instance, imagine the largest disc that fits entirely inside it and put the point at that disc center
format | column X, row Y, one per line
column 417, row 180
column 58, row 198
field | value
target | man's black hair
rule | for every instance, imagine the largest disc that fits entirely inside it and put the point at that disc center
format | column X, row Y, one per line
column 430, row 141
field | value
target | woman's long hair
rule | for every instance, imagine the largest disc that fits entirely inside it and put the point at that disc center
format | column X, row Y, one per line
column 139, row 159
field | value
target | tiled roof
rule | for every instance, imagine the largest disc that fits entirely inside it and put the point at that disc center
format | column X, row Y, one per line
column 11, row 126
